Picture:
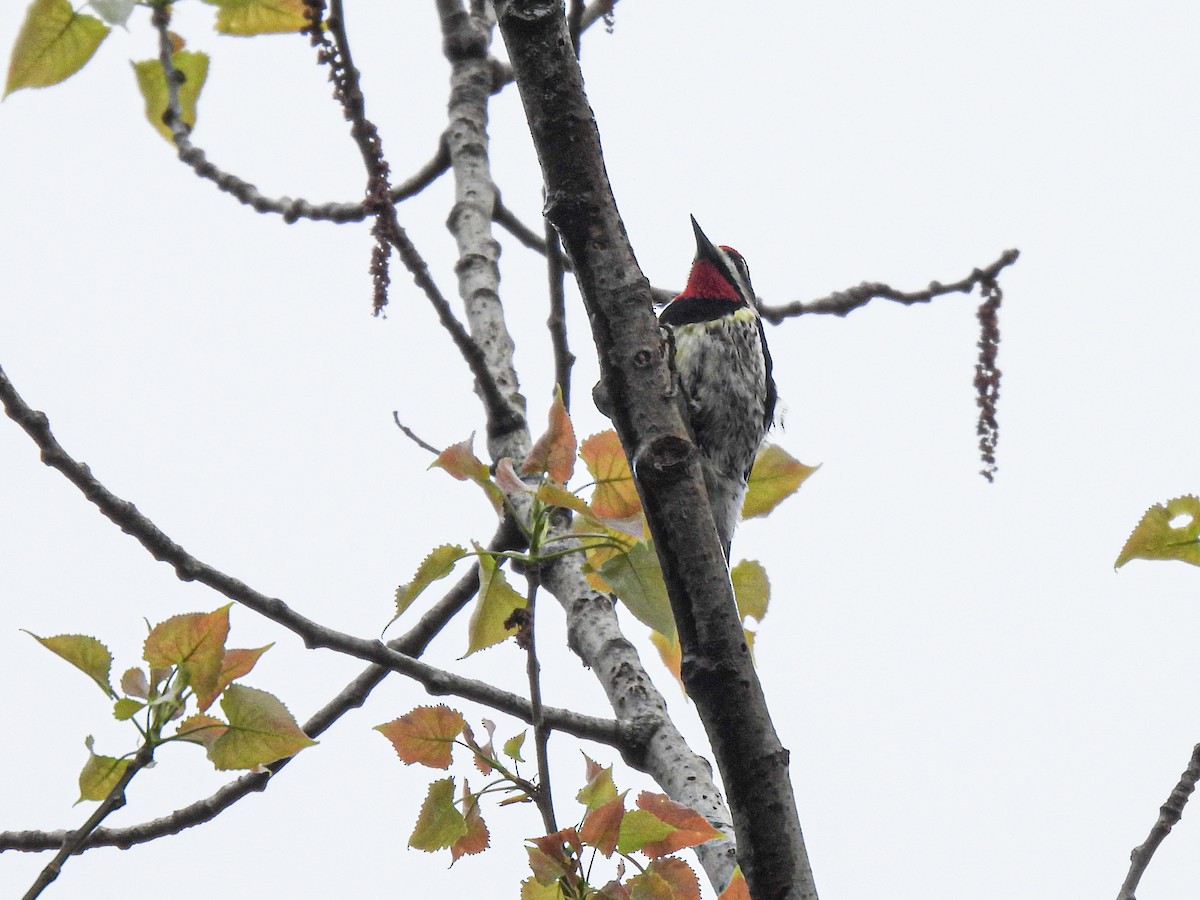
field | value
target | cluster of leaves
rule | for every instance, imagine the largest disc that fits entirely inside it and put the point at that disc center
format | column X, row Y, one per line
column 56, row 41
column 562, row 863
column 610, row 527
column 186, row 660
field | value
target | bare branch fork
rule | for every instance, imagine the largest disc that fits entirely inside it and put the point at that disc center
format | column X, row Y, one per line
column 1169, row 815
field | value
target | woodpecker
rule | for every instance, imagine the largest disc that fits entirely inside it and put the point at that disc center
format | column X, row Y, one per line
column 720, row 358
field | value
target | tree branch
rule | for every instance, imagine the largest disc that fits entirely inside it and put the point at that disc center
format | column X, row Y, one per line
column 716, row 665
column 74, row 840
column 126, row 516
column 289, row 208
column 1168, row 815
column 845, row 302
column 465, row 41
column 353, row 696
column 564, row 359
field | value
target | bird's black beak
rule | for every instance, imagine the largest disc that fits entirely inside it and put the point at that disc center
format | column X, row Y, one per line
column 704, row 247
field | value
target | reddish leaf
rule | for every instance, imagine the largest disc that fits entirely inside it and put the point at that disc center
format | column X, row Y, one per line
column 476, row 839
column 602, row 825
column 462, row 463
column 201, row 729
column 548, row 856
column 554, row 451
column 195, row 642
column 135, row 684
column 691, row 828
column 235, row 664
column 425, row 735
column 678, row 875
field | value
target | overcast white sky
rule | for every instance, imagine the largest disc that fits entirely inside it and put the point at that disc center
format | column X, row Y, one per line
column 976, row 705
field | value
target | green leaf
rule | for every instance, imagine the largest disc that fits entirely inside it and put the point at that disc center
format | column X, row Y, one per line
column 437, row 565
column 1167, row 531
column 247, row 18
column 53, row 44
column 151, row 81
column 261, row 730
column 195, row 642
column 439, row 823
column 493, row 607
column 636, row 578
column 83, row 652
column 512, row 747
column 100, row 774
column 600, row 788
column 114, row 12
column 639, row 828
column 751, row 588
column 532, row 889
column 126, row 708
column 774, row 478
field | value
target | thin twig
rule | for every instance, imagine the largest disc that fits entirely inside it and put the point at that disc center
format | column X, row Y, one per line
column 1168, row 815
column 412, row 435
column 76, row 839
column 352, row 696
column 291, row 209
column 526, row 639
column 501, row 416
column 564, row 359
column 844, row 302
column 126, row 516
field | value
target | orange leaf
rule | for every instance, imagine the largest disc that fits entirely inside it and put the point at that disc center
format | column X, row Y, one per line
column 691, row 828
column 462, row 463
column 425, row 735
column 737, row 889
column 554, row 452
column 615, row 496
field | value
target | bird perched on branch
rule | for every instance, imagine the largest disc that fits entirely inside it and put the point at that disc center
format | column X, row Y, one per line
column 720, row 357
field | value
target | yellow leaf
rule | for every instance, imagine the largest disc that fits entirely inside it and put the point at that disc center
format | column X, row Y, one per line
column 193, row 66
column 751, row 588
column 495, row 605
column 437, row 565
column 671, row 653
column 774, row 478
column 439, row 824
column 260, row 731
column 85, row 653
column 100, row 774
column 1167, row 531
column 247, row 18
column 53, row 44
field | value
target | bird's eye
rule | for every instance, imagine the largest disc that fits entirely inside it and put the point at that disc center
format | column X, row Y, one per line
column 739, row 263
